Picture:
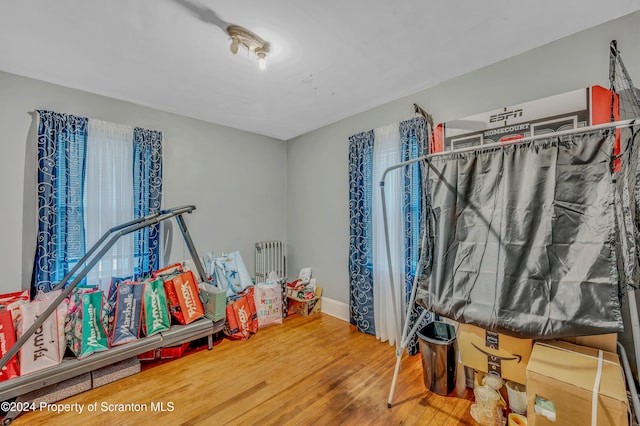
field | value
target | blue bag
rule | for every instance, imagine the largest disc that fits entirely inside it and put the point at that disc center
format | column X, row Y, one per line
column 128, row 312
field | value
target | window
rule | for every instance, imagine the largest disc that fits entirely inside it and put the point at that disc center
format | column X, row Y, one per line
column 92, row 176
column 108, row 196
column 370, row 153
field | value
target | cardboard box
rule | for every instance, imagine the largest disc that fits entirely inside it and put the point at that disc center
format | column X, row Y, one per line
column 305, row 307
column 494, row 353
column 606, row 342
column 560, row 382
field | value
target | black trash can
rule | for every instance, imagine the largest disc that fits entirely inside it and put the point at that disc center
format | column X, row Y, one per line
column 437, row 346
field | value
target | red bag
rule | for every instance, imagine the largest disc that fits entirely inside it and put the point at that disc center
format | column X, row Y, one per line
column 183, row 297
column 12, row 302
column 253, row 323
column 238, row 318
column 7, row 340
column 242, row 318
column 169, row 270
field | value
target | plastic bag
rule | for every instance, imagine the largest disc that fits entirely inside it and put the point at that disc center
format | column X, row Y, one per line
column 231, row 273
column 305, row 275
column 45, row 348
column 268, row 301
column 8, row 339
column 12, row 302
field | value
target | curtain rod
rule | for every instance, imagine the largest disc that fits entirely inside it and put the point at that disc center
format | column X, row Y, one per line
column 617, row 124
column 624, row 123
column 417, row 109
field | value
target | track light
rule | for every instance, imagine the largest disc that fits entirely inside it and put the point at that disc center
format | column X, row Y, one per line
column 243, row 37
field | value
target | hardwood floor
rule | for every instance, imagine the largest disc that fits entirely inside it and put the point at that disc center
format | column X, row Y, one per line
column 314, row 370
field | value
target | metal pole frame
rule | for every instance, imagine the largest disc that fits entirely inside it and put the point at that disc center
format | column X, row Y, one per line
column 404, row 337
column 119, row 231
column 401, row 344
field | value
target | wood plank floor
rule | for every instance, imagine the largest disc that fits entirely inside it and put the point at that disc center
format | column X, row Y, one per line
column 314, row 370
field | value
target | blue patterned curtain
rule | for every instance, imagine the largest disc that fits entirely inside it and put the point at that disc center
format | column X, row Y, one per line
column 414, row 144
column 62, row 141
column 147, row 193
column 360, row 240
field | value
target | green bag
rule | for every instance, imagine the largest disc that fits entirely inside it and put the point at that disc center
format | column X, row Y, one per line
column 156, row 312
column 87, row 333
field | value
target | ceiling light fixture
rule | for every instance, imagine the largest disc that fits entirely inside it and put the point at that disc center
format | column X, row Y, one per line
column 242, row 37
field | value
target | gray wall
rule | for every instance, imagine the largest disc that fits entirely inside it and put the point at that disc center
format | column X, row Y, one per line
column 317, row 163
column 235, row 179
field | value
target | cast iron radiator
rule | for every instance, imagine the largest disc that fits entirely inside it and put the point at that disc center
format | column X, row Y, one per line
column 270, row 256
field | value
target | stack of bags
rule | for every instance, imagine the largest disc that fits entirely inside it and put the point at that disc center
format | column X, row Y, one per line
column 249, row 306
column 85, row 322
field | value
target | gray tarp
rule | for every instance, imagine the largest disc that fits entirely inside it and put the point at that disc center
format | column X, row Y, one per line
column 524, row 238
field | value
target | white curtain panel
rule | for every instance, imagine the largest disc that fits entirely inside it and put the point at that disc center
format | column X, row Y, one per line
column 386, row 153
column 108, row 196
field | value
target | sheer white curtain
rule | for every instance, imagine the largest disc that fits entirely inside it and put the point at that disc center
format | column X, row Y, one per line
column 386, row 153
column 108, row 196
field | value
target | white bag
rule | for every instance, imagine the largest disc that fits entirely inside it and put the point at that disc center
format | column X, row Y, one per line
column 45, row 348
column 231, row 273
column 268, row 301
column 237, row 272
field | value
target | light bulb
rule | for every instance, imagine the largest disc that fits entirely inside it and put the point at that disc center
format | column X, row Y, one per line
column 234, row 45
column 262, row 60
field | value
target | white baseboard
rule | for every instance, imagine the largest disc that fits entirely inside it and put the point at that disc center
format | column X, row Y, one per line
column 335, row 308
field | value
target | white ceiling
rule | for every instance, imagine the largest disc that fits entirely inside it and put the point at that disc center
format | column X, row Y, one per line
column 329, row 59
